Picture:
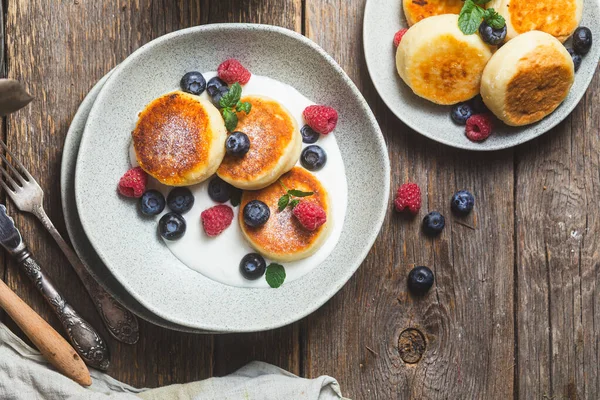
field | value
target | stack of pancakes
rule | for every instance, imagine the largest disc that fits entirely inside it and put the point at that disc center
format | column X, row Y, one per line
column 521, row 83
column 179, row 139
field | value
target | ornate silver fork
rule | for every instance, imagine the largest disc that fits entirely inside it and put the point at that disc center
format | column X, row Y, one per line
column 28, row 196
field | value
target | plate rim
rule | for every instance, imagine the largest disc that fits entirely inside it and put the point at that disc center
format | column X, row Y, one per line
column 379, row 141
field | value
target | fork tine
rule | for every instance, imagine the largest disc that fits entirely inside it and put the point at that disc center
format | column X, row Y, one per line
column 13, row 169
column 8, row 190
column 9, row 178
column 16, row 160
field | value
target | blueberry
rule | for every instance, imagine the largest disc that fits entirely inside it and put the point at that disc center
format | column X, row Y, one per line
column 462, row 202
column 172, row 226
column 313, row 157
column 237, row 144
column 309, row 135
column 218, row 94
column 152, row 202
column 219, row 190
column 253, row 266
column 491, row 35
column 461, row 113
column 180, row 200
column 256, row 213
column 433, row 223
column 576, row 58
column 420, row 280
column 582, row 40
column 478, row 105
column 193, row 82
column 213, row 85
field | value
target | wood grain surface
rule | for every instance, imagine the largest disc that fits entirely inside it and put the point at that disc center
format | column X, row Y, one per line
column 513, row 311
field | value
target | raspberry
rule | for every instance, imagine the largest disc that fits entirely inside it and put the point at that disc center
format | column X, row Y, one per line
column 321, row 119
column 398, row 36
column 479, row 127
column 216, row 219
column 133, row 183
column 232, row 71
column 408, row 196
column 310, row 215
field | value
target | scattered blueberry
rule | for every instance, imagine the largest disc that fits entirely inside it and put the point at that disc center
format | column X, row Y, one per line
column 237, row 144
column 256, row 213
column 433, row 223
column 462, row 202
column 420, row 280
column 213, row 85
column 172, row 226
column 313, row 157
column 309, row 135
column 219, row 190
column 218, row 94
column 492, row 35
column 180, row 200
column 253, row 266
column 582, row 40
column 478, row 105
column 576, row 58
column 152, row 202
column 193, row 82
column 461, row 113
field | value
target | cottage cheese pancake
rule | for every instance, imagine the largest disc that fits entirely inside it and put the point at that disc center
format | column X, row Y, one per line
column 559, row 18
column 416, row 10
column 179, row 139
column 527, row 78
column 440, row 63
column 275, row 145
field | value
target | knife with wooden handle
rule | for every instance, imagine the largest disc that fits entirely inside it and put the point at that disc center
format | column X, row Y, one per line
column 52, row 346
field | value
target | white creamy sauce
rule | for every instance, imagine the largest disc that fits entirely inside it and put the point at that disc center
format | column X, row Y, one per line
column 219, row 258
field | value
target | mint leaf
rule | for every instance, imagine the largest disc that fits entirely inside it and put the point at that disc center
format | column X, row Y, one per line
column 493, row 19
column 275, row 275
column 470, row 17
column 245, row 107
column 481, row 2
column 230, row 118
column 294, row 203
column 299, row 193
column 231, row 98
column 283, row 202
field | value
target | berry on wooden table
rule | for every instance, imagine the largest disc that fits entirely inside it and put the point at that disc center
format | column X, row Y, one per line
column 232, row 71
column 133, row 183
column 433, row 223
column 420, row 280
column 216, row 219
column 321, row 119
column 408, row 197
column 462, row 202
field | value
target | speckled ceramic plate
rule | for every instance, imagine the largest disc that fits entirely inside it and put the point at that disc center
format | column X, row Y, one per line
column 128, row 244
column 383, row 18
column 79, row 240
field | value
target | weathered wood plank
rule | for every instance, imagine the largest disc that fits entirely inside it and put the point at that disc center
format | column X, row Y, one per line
column 557, row 257
column 282, row 346
column 59, row 50
column 467, row 318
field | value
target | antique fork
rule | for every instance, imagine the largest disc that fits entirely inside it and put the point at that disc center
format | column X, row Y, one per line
column 28, row 196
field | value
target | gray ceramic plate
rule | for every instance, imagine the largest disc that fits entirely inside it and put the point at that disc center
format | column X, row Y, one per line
column 128, row 244
column 383, row 18
column 81, row 244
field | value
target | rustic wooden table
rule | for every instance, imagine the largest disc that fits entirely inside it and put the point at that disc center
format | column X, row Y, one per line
column 515, row 307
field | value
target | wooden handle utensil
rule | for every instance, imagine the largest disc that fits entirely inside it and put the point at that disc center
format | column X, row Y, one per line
column 49, row 342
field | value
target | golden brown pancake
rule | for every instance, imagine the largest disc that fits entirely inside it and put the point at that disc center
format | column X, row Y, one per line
column 282, row 238
column 179, row 139
column 527, row 78
column 439, row 62
column 416, row 10
column 275, row 145
column 559, row 18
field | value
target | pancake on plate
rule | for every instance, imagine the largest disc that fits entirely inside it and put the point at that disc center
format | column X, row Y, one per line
column 179, row 139
column 275, row 145
column 439, row 62
column 282, row 238
column 527, row 78
column 559, row 18
column 416, row 10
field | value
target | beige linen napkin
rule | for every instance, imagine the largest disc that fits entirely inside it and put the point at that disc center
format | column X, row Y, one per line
column 25, row 374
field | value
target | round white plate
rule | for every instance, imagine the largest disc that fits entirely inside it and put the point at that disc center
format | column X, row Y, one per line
column 128, row 244
column 383, row 18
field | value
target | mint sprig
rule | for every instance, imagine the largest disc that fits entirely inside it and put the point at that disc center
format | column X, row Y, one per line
column 472, row 13
column 230, row 105
column 493, row 19
column 288, row 198
column 275, row 275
